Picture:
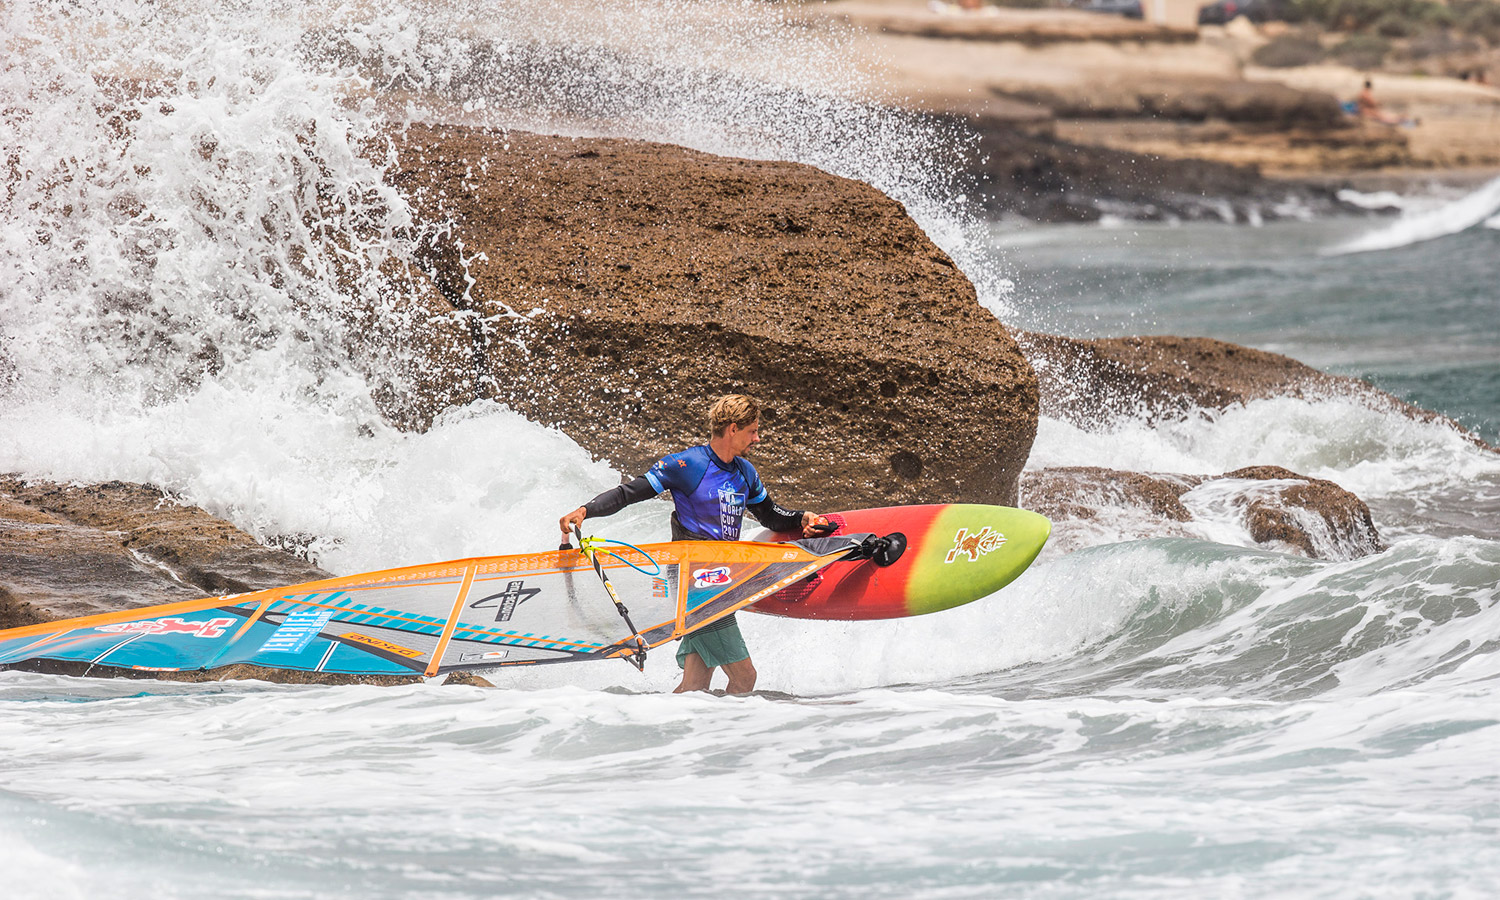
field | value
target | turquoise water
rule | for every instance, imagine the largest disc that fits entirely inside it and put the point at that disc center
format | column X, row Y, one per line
column 1421, row 321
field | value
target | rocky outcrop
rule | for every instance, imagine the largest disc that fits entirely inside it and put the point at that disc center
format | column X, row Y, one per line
column 1030, row 27
column 1314, row 516
column 1259, row 102
column 616, row 287
column 1091, row 381
column 1271, row 507
column 77, row 550
column 1030, row 172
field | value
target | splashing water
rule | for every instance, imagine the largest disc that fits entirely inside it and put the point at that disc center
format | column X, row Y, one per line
column 206, row 273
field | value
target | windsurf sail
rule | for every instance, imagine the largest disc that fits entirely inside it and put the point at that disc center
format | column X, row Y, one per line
column 461, row 615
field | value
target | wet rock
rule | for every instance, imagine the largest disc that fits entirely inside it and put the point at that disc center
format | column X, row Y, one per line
column 1262, row 506
column 1313, row 516
column 1090, row 382
column 1079, row 492
column 618, row 286
column 76, row 550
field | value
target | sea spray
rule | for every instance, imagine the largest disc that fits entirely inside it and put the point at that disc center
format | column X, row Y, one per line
column 209, row 281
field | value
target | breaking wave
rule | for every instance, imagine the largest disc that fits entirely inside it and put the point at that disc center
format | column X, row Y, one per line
column 1416, row 226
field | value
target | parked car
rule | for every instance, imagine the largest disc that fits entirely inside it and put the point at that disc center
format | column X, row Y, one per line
column 1223, row 11
column 1130, row 9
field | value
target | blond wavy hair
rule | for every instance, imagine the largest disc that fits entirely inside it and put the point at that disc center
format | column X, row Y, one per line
column 732, row 409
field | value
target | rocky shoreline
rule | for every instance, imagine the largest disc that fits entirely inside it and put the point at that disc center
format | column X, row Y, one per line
column 1077, row 115
column 629, row 272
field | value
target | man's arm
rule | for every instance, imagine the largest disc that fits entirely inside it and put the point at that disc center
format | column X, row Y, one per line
column 778, row 519
column 609, row 502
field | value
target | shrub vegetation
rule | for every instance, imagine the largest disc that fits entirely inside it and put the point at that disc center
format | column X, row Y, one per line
column 1400, row 18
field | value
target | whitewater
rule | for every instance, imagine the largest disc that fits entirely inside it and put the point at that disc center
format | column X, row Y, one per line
column 1138, row 715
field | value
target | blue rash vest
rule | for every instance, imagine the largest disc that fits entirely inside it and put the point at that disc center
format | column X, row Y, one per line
column 711, row 497
column 710, row 494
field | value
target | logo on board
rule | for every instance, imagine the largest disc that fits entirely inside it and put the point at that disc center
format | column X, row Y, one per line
column 505, row 602
column 974, row 545
column 711, row 577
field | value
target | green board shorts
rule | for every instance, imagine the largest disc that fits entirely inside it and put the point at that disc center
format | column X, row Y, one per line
column 718, row 645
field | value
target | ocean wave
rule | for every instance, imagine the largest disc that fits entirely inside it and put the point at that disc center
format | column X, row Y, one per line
column 1451, row 218
column 1196, row 618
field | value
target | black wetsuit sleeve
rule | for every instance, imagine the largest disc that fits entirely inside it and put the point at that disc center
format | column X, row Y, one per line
column 776, row 518
column 617, row 498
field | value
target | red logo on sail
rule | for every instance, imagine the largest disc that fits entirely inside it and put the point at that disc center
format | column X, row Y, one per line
column 211, row 629
column 974, row 545
column 710, row 577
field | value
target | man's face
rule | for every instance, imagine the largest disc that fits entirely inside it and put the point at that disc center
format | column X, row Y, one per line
column 740, row 439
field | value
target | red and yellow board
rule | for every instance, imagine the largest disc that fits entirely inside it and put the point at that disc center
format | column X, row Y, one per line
column 955, row 554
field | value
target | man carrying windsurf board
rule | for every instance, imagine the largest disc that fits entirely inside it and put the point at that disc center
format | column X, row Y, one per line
column 712, row 486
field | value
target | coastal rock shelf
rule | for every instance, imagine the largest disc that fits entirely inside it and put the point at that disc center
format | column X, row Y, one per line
column 71, row 550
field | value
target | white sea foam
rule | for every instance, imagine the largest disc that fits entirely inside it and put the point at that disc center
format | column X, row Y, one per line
column 1395, row 463
column 1451, row 218
column 1373, row 199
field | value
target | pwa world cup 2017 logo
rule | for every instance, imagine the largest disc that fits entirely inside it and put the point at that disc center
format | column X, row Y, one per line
column 974, row 545
column 710, row 577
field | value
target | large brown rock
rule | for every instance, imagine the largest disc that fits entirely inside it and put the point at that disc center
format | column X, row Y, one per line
column 1340, row 524
column 77, row 550
column 618, row 286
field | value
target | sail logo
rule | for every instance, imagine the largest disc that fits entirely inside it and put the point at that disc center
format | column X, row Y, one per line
column 505, row 602
column 210, row 629
column 711, row 577
column 297, row 631
column 974, row 545
column 355, row 637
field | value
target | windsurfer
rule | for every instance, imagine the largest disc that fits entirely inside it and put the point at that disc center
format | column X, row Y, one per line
column 712, row 486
